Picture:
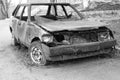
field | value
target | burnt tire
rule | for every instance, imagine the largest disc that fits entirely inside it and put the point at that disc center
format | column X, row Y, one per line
column 36, row 54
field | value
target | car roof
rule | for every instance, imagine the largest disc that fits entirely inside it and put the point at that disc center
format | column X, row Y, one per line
column 45, row 4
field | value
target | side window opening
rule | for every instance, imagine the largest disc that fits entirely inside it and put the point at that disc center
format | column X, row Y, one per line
column 15, row 11
column 19, row 12
column 22, row 13
column 25, row 14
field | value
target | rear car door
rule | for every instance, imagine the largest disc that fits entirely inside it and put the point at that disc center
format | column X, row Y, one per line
column 21, row 20
column 16, row 20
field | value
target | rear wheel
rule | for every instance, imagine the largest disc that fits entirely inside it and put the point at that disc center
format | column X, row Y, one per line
column 36, row 54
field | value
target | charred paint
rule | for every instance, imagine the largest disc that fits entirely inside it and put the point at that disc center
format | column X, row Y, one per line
column 69, row 40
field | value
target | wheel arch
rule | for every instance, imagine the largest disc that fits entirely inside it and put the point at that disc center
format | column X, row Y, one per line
column 35, row 39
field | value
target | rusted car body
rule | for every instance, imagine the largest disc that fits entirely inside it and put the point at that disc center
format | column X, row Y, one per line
column 62, row 35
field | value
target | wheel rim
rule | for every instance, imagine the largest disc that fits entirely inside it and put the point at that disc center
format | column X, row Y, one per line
column 36, row 55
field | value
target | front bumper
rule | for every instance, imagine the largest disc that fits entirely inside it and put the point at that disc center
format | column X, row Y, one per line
column 79, row 50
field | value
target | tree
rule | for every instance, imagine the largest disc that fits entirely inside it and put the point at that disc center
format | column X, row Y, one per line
column 4, row 8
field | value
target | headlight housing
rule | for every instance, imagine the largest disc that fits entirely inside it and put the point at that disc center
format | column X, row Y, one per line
column 104, row 36
column 47, row 38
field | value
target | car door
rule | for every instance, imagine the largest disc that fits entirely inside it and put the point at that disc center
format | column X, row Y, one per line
column 23, row 28
column 23, row 25
column 22, row 17
column 16, row 22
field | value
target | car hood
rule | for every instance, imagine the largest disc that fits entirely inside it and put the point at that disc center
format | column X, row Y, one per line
column 71, row 25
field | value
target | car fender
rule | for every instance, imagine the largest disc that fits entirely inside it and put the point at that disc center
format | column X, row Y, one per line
column 34, row 33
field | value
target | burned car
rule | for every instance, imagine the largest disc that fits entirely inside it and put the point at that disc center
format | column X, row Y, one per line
column 55, row 31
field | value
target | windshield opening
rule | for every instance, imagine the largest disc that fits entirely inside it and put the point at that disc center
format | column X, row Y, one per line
column 54, row 12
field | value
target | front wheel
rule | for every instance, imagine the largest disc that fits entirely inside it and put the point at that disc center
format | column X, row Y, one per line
column 36, row 54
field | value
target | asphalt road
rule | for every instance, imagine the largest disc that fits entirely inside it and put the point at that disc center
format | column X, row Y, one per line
column 14, row 64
